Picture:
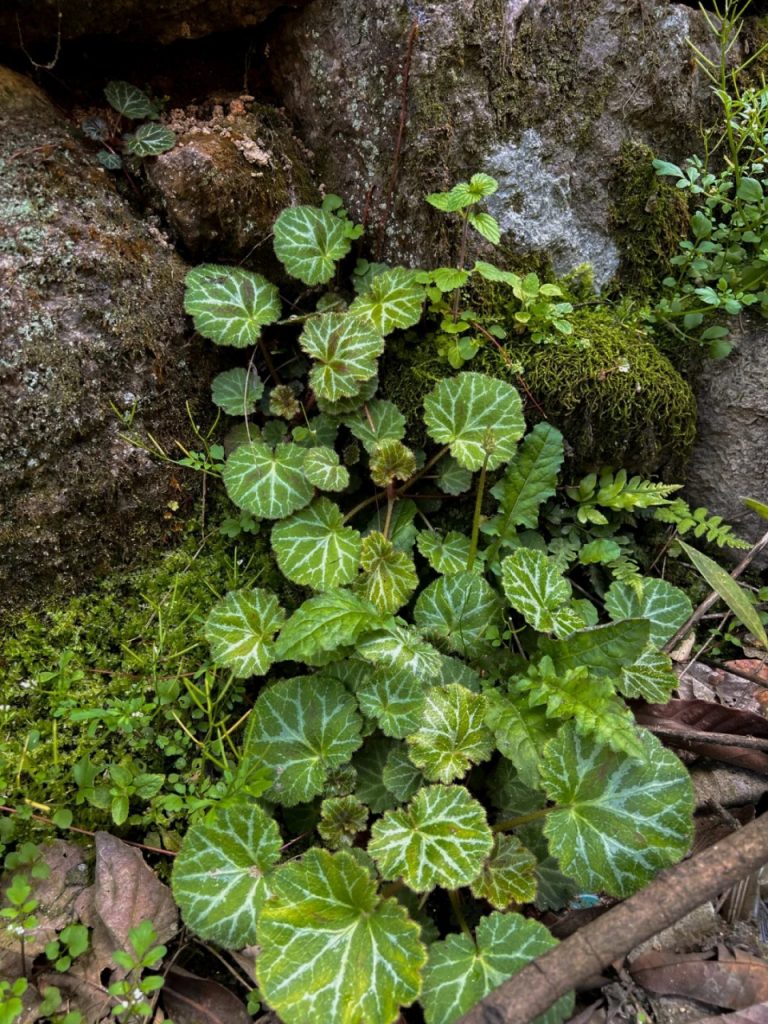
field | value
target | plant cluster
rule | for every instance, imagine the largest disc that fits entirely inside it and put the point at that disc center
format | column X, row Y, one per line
column 126, row 149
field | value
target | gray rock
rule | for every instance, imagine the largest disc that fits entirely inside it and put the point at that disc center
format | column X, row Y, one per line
column 91, row 325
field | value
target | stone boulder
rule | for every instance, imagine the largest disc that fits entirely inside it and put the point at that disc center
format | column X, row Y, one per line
column 91, row 328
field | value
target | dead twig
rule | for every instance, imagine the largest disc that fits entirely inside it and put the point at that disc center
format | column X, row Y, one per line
column 720, row 739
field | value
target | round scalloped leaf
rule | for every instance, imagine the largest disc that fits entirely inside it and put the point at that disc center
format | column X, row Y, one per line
column 452, row 736
column 536, row 588
column 303, row 727
column 509, row 874
column 478, row 416
column 129, row 101
column 458, row 610
column 308, row 242
column 341, row 818
column 441, row 838
column 461, row 972
column 447, row 555
column 394, row 698
column 269, row 483
column 369, row 764
column 345, row 348
column 315, row 549
column 394, row 300
column 149, row 140
column 400, row 647
column 331, row 949
column 229, row 305
column 666, row 607
column 390, row 461
column 237, row 391
column 241, row 628
column 220, row 876
column 389, row 576
column 321, row 466
column 324, row 623
column 618, row 821
column 401, row 777
column 452, row 478
column 379, row 421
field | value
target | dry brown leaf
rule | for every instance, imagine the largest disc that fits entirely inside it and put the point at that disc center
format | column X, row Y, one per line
column 734, row 982
column 716, row 685
column 757, row 1014
column 192, row 1000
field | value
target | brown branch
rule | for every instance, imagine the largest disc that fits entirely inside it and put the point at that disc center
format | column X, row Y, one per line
column 675, row 893
column 682, row 737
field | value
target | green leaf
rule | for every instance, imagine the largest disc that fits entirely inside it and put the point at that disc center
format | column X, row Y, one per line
column 441, row 838
column 331, row 950
column 618, row 821
column 401, row 777
column 321, row 468
column 129, row 101
column 389, row 576
column 537, row 589
column 482, row 185
column 520, row 733
column 729, row 591
column 344, row 406
column 395, row 698
column 664, row 606
column 457, row 610
column 378, row 421
column 599, row 551
column 401, row 648
column 448, row 278
column 345, row 348
column 453, row 478
column 651, row 677
column 269, row 483
column 341, row 818
column 314, row 548
column 241, row 628
column 756, row 506
column 750, row 190
column 229, row 305
column 461, row 972
column 390, row 461
column 453, row 735
column 393, row 301
column 309, row 241
column 447, row 555
column 531, row 478
column 604, row 650
column 486, row 225
column 402, row 531
column 324, row 623
column 220, row 876
column 508, row 875
column 149, row 140
column 305, row 727
column 664, row 167
column 369, row 763
column 478, row 416
column 491, row 272
column 237, row 391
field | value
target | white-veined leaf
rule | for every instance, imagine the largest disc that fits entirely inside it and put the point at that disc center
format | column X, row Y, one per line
column 325, row 623
column 520, row 732
column 267, row 482
column 149, row 140
column 309, row 241
column 447, row 555
column 651, row 677
column 666, row 607
column 478, row 416
column 319, row 432
column 331, row 949
column 378, row 421
column 303, row 727
column 536, row 588
column 390, row 461
column 369, row 763
column 618, row 821
column 344, row 406
column 441, row 838
column 322, row 468
column 531, row 478
column 237, row 391
column 230, row 305
column 129, row 101
column 461, row 972
column 457, row 610
column 401, row 776
column 604, row 650
column 341, row 818
column 452, row 478
column 241, row 628
column 345, row 348
column 394, row 300
column 314, row 548
column 452, row 736
column 220, row 876
column 395, row 698
column 389, row 576
column 508, row 875
column 401, row 648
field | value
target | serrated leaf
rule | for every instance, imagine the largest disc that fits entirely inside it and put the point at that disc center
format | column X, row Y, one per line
column 237, row 391
column 478, row 416
column 452, row 478
column 452, row 736
column 344, row 406
column 220, row 875
column 508, row 875
column 240, row 630
column 461, row 972
column 401, row 777
column 268, row 482
column 229, row 305
column 321, row 467
column 331, row 950
column 390, row 461
column 618, row 821
column 314, row 548
column 393, row 301
column 493, row 273
column 599, row 551
column 129, row 100
column 376, row 422
column 341, row 818
column 651, row 677
column 448, row 278
column 520, row 732
column 389, row 576
column 369, row 763
column 304, row 727
column 531, row 478
column 149, row 140
column 458, row 610
column 399, row 647
column 664, row 606
column 604, row 650
column 324, row 623
column 345, row 348
column 395, row 698
column 536, row 588
column 447, row 555
column 486, row 225
column 441, row 838
column 309, row 241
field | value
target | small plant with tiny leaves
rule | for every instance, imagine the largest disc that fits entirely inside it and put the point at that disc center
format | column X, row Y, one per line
column 124, row 150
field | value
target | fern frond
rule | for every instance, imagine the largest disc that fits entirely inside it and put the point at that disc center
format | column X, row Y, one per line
column 699, row 521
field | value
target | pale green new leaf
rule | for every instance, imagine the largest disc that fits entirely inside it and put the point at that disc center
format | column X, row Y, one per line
column 536, row 588
column 240, row 630
column 441, row 838
column 268, row 482
column 389, row 576
column 478, row 416
column 401, row 777
column 493, row 273
column 308, row 242
column 331, row 949
column 149, row 140
column 604, row 650
column 321, row 467
column 394, row 697
column 457, row 610
column 508, row 875
column 531, row 478
column 325, row 623
column 129, row 101
column 520, row 732
column 453, row 735
column 452, row 478
column 230, row 305
column 618, row 821
column 666, row 607
column 651, row 677
column 394, row 300
column 447, row 555
column 486, row 225
column 303, row 727
column 345, row 349
column 448, row 278
column 400, row 647
column 378, row 421
column 314, row 548
column 461, row 972
column 390, row 461
column 237, row 391
column 220, row 876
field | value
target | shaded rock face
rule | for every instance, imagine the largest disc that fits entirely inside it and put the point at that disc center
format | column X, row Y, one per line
column 539, row 93
column 90, row 317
